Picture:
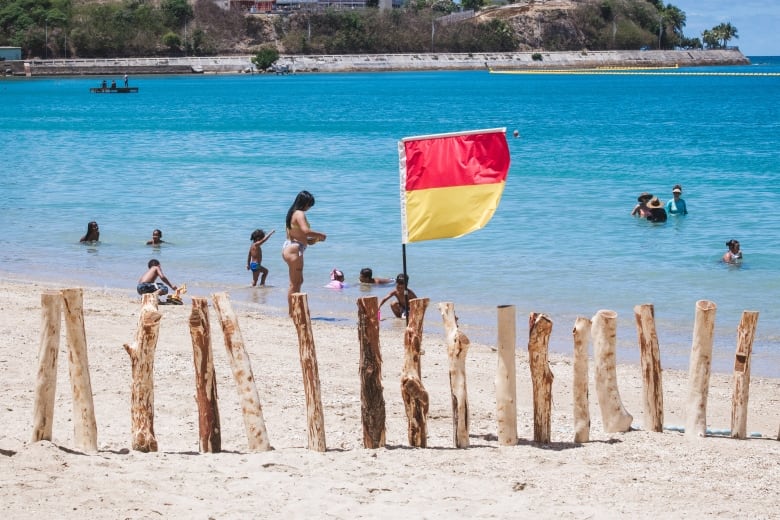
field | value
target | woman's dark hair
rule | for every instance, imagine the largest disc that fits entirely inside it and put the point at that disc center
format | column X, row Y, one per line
column 366, row 272
column 304, row 200
column 732, row 242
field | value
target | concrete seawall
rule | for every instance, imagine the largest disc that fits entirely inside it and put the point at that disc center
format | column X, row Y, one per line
column 379, row 62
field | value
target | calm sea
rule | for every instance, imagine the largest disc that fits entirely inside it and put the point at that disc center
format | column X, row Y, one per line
column 207, row 159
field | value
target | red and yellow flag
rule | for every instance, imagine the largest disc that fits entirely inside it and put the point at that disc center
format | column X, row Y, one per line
column 451, row 183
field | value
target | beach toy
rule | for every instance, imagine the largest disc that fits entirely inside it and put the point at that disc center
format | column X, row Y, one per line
column 175, row 298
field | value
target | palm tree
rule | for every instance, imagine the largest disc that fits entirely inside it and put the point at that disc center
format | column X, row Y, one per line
column 725, row 32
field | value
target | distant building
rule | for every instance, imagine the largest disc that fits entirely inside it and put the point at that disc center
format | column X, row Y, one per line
column 10, row 53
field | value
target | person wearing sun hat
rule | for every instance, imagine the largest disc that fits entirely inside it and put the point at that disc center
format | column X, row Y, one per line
column 657, row 211
column 641, row 210
column 676, row 206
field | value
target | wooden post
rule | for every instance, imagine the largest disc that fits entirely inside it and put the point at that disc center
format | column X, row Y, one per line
column 581, row 335
column 210, row 436
column 372, row 400
column 699, row 370
column 457, row 348
column 650, row 356
column 413, row 392
column 540, row 328
column 506, row 377
column 315, row 418
column 613, row 414
column 46, row 379
column 84, row 425
column 141, row 354
column 251, row 409
column 739, row 403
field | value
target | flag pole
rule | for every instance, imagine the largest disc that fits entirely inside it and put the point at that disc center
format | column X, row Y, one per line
column 406, row 285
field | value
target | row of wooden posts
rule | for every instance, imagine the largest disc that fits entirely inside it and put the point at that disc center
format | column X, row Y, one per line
column 601, row 329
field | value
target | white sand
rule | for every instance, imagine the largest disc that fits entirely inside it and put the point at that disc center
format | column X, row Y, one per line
column 632, row 475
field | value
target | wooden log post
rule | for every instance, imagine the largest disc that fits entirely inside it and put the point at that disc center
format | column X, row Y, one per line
column 84, row 424
column 506, row 376
column 581, row 333
column 746, row 332
column 413, row 392
column 315, row 417
column 209, row 432
column 457, row 349
column 699, row 370
column 241, row 366
column 141, row 354
column 650, row 355
column 46, row 378
column 613, row 413
column 372, row 400
column 540, row 328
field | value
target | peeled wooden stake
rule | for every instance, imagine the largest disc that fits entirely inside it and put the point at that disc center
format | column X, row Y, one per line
column 604, row 333
column 699, row 370
column 506, row 377
column 412, row 390
column 210, row 434
column 581, row 335
column 457, row 348
column 141, row 354
column 650, row 355
column 540, row 326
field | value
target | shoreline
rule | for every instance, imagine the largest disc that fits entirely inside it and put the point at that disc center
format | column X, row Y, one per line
column 380, row 62
column 639, row 474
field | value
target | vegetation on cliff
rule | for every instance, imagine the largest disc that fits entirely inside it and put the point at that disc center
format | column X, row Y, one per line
column 127, row 28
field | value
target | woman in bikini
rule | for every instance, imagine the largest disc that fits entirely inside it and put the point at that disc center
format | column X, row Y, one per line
column 299, row 236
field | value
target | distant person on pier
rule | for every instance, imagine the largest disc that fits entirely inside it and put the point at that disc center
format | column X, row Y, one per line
column 113, row 84
column 126, row 82
column 93, row 233
column 676, row 206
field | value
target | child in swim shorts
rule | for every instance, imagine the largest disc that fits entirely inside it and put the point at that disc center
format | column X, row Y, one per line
column 254, row 259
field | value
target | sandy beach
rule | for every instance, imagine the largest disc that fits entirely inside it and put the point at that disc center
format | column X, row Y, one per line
column 637, row 474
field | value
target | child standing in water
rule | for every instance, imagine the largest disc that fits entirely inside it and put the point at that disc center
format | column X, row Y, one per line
column 255, row 257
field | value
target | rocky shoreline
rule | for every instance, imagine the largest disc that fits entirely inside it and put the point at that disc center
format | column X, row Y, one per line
column 379, row 62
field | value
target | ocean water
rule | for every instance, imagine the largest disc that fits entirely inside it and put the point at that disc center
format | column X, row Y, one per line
column 207, row 159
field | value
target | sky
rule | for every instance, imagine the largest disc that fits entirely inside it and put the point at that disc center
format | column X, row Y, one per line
column 757, row 22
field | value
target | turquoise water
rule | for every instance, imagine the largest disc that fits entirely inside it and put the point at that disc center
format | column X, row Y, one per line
column 209, row 158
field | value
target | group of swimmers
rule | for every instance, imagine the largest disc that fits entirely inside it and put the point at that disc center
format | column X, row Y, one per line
column 653, row 209
column 299, row 235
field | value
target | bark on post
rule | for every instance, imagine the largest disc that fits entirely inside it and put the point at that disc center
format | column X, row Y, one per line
column 210, row 436
column 650, row 356
column 84, row 425
column 251, row 409
column 141, row 354
column 739, row 403
column 540, row 327
column 581, row 335
column 457, row 349
column 506, row 377
column 46, row 378
column 613, row 413
column 699, row 370
column 315, row 418
column 412, row 390
column 372, row 400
